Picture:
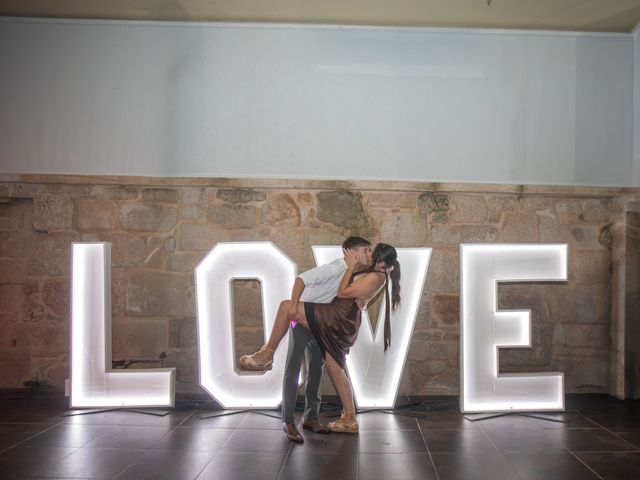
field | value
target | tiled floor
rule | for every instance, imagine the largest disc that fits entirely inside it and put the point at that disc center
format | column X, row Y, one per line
column 601, row 441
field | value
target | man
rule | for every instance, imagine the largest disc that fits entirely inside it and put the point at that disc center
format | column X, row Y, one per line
column 318, row 285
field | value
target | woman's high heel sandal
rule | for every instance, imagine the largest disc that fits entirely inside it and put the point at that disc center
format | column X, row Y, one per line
column 343, row 425
column 261, row 360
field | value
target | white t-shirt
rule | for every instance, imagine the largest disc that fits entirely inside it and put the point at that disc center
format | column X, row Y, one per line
column 321, row 283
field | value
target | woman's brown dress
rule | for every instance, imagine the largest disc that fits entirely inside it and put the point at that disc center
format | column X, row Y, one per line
column 335, row 325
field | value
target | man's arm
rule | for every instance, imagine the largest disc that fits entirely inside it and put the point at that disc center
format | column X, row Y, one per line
column 296, row 291
column 323, row 273
column 311, row 278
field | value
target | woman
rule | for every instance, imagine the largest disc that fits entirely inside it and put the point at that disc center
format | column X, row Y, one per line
column 335, row 325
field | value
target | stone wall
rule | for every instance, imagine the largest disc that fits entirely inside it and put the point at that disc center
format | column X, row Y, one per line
column 161, row 228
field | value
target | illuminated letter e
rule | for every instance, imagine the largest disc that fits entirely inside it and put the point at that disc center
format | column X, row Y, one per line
column 484, row 329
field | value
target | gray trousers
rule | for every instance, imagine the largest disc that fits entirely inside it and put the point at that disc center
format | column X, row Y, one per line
column 302, row 344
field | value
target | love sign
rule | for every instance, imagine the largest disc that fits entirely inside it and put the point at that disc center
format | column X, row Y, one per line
column 375, row 374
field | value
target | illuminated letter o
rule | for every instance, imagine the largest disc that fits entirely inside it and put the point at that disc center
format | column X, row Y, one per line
column 214, row 275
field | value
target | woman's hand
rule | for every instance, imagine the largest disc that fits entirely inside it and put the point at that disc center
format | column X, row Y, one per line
column 351, row 259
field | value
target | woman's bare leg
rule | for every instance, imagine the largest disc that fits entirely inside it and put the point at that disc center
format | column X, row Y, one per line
column 280, row 326
column 342, row 385
column 263, row 358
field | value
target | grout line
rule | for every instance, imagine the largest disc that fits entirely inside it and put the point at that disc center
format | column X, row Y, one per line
column 146, row 450
column 591, row 426
column 215, row 454
column 612, row 433
column 185, row 419
column 583, row 463
column 573, row 454
column 284, row 460
column 32, row 436
column 8, row 421
column 74, row 449
column 131, row 463
column 428, row 450
column 506, row 460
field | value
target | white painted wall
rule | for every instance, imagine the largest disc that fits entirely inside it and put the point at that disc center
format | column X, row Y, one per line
column 328, row 102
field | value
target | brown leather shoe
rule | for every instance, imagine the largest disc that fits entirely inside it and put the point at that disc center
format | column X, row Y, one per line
column 315, row 426
column 292, row 432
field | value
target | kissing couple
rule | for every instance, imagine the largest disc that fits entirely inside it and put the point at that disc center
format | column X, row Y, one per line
column 323, row 318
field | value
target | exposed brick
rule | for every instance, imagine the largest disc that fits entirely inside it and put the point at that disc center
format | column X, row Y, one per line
column 137, row 217
column 280, row 210
column 94, row 215
column 52, row 212
column 342, row 208
column 135, row 339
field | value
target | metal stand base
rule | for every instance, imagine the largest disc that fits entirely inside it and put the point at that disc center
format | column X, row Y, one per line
column 143, row 411
column 420, row 409
column 223, row 413
column 474, row 417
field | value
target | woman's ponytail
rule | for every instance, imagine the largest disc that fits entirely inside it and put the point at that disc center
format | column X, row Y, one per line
column 395, row 285
column 388, row 255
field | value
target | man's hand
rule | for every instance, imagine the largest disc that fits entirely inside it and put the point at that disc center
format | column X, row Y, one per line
column 296, row 292
column 292, row 314
column 362, row 304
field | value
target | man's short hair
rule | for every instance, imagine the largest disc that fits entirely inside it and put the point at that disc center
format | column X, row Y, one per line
column 355, row 242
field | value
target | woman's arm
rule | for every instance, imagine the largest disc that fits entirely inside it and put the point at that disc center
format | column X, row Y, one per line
column 365, row 286
column 350, row 260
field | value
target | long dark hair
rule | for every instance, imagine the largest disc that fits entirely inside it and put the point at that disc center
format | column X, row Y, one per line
column 387, row 254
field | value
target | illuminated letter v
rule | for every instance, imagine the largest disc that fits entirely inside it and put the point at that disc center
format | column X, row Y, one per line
column 375, row 374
